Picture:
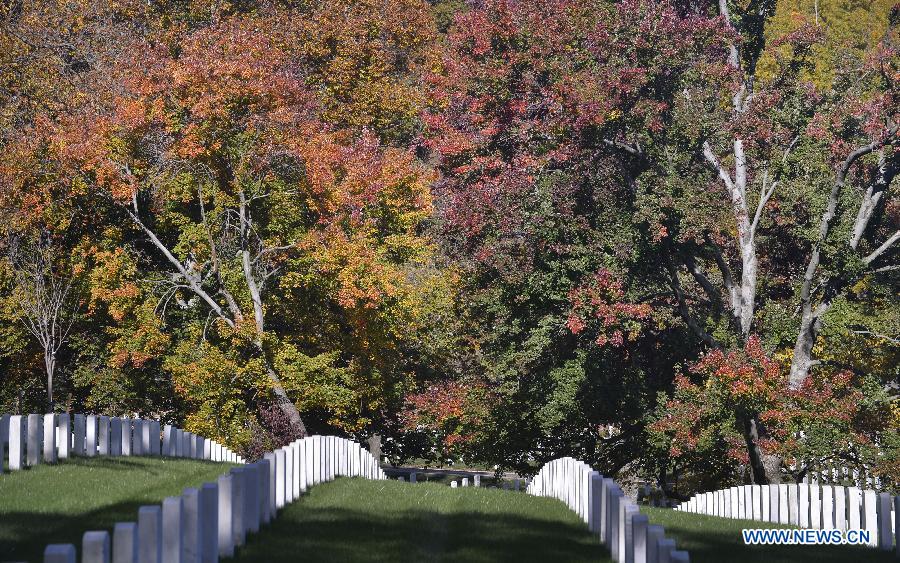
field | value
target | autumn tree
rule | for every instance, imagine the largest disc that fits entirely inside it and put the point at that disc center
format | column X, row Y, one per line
column 237, row 216
column 47, row 299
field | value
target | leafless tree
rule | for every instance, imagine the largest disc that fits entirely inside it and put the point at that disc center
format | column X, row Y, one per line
column 46, row 298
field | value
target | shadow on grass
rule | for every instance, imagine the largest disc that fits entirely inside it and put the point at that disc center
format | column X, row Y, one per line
column 34, row 530
column 341, row 535
column 54, row 492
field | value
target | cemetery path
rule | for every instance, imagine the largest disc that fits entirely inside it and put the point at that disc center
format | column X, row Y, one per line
column 355, row 520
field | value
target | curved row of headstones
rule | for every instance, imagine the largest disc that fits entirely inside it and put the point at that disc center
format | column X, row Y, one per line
column 602, row 505
column 825, row 507
column 47, row 438
column 208, row 522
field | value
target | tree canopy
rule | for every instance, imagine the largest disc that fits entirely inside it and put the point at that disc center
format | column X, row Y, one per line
column 658, row 236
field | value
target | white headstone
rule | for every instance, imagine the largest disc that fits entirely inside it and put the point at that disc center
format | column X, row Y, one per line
column 804, row 498
column 840, row 507
column 95, row 547
column 126, row 436
column 60, row 553
column 305, row 464
column 736, row 504
column 115, row 444
column 639, row 527
column 250, row 489
column 64, row 435
column 225, row 534
column 209, row 520
column 631, row 510
column 17, row 441
column 147, row 437
column 90, row 435
column 50, row 424
column 615, row 498
column 465, row 481
column 665, row 548
column 854, row 508
column 755, row 502
column 827, row 511
column 279, row 478
column 740, row 506
column 897, row 524
column 173, row 527
column 290, row 494
column 125, row 542
column 35, row 438
column 653, row 536
column 266, row 513
column 103, row 436
column 192, row 539
column 870, row 515
column 883, row 516
column 137, row 431
column 453, row 484
column 794, row 504
column 149, row 534
column 168, row 440
column 243, row 499
column 154, row 438
column 815, row 507
column 79, row 435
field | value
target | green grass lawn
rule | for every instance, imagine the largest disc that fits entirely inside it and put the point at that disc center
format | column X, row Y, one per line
column 351, row 520
column 57, row 504
column 710, row 539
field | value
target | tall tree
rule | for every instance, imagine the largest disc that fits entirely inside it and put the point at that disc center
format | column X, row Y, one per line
column 47, row 299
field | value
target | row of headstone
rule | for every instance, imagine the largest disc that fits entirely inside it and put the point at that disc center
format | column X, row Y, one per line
column 602, row 505
column 208, row 523
column 34, row 439
column 843, row 476
column 515, row 485
column 825, row 507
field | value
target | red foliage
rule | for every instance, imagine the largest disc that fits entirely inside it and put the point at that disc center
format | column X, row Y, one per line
column 528, row 89
column 453, row 410
column 745, row 383
column 602, row 300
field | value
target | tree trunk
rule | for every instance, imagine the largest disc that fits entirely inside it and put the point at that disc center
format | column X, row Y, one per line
column 748, row 286
column 50, row 364
column 281, row 397
column 375, row 446
column 288, row 408
column 765, row 468
column 802, row 360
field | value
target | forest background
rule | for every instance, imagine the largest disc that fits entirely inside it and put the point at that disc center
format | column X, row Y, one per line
column 660, row 237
